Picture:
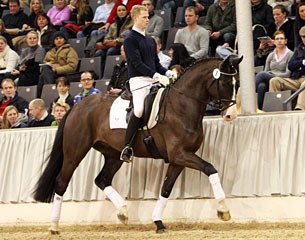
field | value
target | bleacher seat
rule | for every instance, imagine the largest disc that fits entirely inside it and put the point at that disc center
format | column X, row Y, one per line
column 102, row 84
column 273, row 101
column 179, row 15
column 75, row 88
column 111, row 61
column 171, row 37
column 49, row 93
column 91, row 64
column 79, row 44
column 27, row 92
column 167, row 16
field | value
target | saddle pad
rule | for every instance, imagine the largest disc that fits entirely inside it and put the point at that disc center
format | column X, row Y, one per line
column 118, row 112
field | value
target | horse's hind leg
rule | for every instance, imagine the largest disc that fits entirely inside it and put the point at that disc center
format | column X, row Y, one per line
column 172, row 174
column 104, row 180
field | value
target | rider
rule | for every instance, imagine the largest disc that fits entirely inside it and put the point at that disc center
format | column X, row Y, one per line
column 144, row 69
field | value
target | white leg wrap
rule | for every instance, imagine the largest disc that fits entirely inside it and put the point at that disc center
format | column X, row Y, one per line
column 114, row 197
column 216, row 186
column 56, row 209
column 159, row 208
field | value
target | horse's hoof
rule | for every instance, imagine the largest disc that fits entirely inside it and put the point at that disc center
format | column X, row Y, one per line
column 53, row 231
column 160, row 227
column 224, row 216
column 123, row 215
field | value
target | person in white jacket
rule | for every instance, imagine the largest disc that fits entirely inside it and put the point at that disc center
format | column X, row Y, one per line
column 8, row 58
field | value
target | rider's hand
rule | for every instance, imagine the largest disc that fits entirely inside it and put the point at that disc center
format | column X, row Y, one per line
column 172, row 75
column 161, row 79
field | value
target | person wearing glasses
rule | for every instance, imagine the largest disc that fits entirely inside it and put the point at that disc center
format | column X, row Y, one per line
column 297, row 77
column 276, row 66
column 86, row 81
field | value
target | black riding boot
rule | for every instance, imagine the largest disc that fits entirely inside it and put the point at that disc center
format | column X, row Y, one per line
column 133, row 125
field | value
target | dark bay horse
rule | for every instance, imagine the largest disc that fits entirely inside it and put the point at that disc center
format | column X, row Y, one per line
column 178, row 136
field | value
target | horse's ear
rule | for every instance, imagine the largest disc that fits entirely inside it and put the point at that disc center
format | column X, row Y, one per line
column 235, row 60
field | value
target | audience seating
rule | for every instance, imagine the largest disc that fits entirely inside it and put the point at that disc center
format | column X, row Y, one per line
column 28, row 92
column 102, row 84
column 179, row 15
column 79, row 44
column 166, row 14
column 111, row 61
column 91, row 64
column 75, row 88
column 273, row 101
column 171, row 37
column 49, row 93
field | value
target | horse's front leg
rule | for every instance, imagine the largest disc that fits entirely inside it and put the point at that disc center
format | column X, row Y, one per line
column 172, row 174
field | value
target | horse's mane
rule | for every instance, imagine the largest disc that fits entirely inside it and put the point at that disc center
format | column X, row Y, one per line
column 198, row 61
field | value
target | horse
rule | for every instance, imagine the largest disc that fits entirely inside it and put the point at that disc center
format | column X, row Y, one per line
column 177, row 135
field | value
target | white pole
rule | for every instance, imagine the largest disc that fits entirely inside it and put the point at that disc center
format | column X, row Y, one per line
column 245, row 49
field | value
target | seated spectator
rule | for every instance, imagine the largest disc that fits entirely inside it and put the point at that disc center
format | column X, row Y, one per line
column 100, row 17
column 5, row 34
column 156, row 23
column 59, row 111
column 194, row 37
column 221, row 24
column 62, row 86
column 119, row 78
column 60, row 60
column 28, row 70
column 8, row 58
column 297, row 79
column 87, row 87
column 81, row 14
column 180, row 56
column 58, row 13
column 16, row 21
column 12, row 118
column 262, row 20
column 164, row 59
column 11, row 98
column 41, row 117
column 36, row 7
column 276, row 66
column 202, row 5
column 285, row 24
column 45, row 31
column 299, row 22
column 286, row 3
column 114, row 38
column 264, row 49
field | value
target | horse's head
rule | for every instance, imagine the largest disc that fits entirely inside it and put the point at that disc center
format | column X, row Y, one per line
column 222, row 87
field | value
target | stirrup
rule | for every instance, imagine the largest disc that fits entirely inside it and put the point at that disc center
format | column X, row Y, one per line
column 127, row 154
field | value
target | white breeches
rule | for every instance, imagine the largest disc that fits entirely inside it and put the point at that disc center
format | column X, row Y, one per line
column 139, row 87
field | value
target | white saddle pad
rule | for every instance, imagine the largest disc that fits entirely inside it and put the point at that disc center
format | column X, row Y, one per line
column 118, row 112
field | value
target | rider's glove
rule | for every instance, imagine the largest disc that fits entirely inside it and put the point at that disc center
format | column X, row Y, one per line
column 172, row 75
column 161, row 78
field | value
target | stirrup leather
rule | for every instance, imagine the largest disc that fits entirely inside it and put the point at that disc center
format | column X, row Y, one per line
column 127, row 154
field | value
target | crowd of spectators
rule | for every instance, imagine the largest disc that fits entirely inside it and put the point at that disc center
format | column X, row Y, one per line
column 34, row 47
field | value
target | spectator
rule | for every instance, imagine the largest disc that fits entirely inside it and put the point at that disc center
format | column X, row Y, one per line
column 36, row 7
column 285, row 24
column 114, row 38
column 299, row 22
column 12, row 118
column 59, row 111
column 5, row 34
column 8, row 58
column 100, row 17
column 16, row 21
column 286, row 3
column 81, row 14
column 164, row 59
column 297, row 79
column 156, row 23
column 11, row 97
column 202, row 5
column 58, row 13
column 276, row 66
column 45, row 31
column 264, row 49
column 62, row 86
column 62, row 59
column 262, row 21
column 28, row 70
column 221, row 24
column 87, row 85
column 119, row 76
column 194, row 37
column 180, row 56
column 41, row 117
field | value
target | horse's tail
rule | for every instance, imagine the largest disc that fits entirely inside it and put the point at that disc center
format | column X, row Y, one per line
column 45, row 188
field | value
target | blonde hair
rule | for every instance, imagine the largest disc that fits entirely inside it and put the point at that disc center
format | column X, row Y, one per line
column 3, row 39
column 41, row 6
column 136, row 10
column 60, row 104
column 5, row 123
column 38, row 103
